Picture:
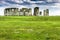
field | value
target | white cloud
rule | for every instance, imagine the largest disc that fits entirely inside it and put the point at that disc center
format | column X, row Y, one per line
column 53, row 1
column 17, row 1
column 55, row 12
column 56, row 0
column 36, row 1
column 49, row 0
column 57, row 4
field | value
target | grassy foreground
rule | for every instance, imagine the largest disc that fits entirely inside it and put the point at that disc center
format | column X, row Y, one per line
column 29, row 28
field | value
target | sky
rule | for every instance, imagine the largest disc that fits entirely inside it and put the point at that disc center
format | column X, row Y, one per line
column 52, row 5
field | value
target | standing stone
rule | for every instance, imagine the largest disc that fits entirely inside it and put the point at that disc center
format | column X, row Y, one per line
column 40, row 13
column 46, row 12
column 36, row 11
column 11, row 12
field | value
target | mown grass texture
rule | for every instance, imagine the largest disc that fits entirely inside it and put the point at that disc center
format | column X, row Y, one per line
column 29, row 28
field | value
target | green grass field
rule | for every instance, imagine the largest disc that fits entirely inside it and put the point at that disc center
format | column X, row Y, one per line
column 29, row 28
